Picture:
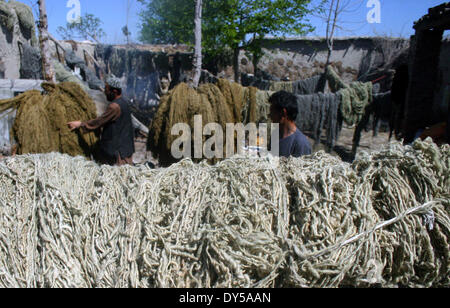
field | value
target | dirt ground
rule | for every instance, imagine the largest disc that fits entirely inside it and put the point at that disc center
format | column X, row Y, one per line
column 344, row 144
column 141, row 156
column 368, row 143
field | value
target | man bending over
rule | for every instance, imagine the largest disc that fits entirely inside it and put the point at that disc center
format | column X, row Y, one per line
column 117, row 139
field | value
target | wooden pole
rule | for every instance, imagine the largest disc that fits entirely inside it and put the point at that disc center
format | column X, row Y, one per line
column 47, row 66
column 198, row 43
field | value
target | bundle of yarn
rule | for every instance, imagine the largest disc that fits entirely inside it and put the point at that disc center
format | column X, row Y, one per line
column 244, row 222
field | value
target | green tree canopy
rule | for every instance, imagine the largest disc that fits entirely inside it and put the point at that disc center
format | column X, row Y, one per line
column 167, row 22
column 88, row 27
column 227, row 24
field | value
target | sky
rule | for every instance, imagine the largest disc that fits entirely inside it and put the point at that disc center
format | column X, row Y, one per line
column 397, row 17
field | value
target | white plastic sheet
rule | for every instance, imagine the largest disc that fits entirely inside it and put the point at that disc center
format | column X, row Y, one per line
column 6, row 123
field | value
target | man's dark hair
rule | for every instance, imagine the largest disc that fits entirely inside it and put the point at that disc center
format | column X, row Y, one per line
column 117, row 90
column 285, row 100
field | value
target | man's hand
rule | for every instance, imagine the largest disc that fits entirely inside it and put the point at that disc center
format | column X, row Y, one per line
column 74, row 125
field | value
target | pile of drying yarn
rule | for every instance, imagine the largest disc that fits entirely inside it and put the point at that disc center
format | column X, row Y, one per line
column 244, row 222
column 41, row 120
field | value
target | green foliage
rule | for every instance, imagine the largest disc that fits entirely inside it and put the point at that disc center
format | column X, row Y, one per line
column 242, row 21
column 167, row 21
column 88, row 27
column 227, row 24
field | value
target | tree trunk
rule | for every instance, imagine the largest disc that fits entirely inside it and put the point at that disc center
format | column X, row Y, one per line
column 47, row 67
column 128, row 17
column 198, row 43
column 255, row 61
column 237, row 74
column 330, row 34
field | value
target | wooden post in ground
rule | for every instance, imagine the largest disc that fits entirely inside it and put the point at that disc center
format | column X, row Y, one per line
column 44, row 43
column 198, row 43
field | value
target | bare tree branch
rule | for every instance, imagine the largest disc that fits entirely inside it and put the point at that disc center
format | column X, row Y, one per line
column 330, row 34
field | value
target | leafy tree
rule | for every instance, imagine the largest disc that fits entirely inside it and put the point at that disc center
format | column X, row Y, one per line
column 167, row 22
column 227, row 24
column 89, row 27
column 243, row 24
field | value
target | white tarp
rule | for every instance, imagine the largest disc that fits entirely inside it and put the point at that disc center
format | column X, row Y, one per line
column 5, row 142
column 6, row 123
